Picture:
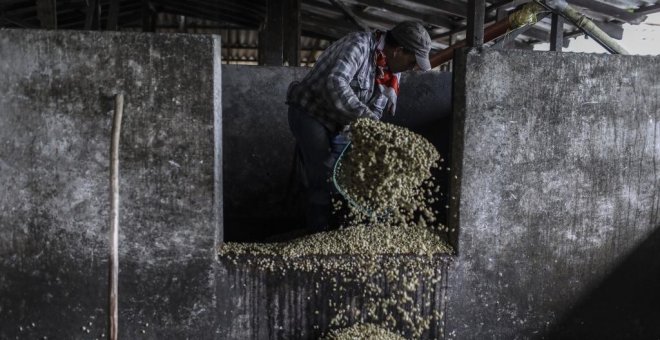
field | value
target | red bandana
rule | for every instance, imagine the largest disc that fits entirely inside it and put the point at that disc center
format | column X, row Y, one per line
column 387, row 81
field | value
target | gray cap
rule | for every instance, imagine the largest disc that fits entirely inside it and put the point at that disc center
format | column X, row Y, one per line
column 414, row 37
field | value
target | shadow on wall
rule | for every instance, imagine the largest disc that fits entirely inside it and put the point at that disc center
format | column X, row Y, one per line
column 626, row 305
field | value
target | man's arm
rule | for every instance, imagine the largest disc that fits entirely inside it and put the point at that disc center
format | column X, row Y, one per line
column 378, row 102
column 348, row 58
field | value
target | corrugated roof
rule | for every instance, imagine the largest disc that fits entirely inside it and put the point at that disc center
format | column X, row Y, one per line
column 322, row 20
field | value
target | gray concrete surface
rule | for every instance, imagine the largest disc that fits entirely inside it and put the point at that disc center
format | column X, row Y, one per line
column 260, row 304
column 559, row 185
column 261, row 199
column 55, row 116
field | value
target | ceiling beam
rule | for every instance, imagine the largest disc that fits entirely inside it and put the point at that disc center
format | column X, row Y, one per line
column 318, row 24
column 506, row 4
column 450, row 7
column 47, row 14
column 609, row 10
column 254, row 9
column 209, row 12
column 350, row 15
column 112, row 23
column 650, row 9
column 16, row 22
column 207, row 15
column 433, row 19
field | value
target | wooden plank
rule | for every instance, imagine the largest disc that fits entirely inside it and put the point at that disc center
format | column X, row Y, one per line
column 650, row 9
column 350, row 15
column 47, row 13
column 16, row 22
column 93, row 15
column 271, row 38
column 113, row 16
column 609, row 10
column 207, row 12
column 149, row 16
column 292, row 32
column 557, row 33
column 475, row 27
column 433, row 19
column 449, row 7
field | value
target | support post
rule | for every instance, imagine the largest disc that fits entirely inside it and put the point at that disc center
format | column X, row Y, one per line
column 113, row 16
column 292, row 32
column 93, row 15
column 271, row 37
column 557, row 33
column 47, row 13
column 149, row 17
column 475, row 23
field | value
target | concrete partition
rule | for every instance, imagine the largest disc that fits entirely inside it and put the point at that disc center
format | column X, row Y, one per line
column 56, row 106
column 558, row 160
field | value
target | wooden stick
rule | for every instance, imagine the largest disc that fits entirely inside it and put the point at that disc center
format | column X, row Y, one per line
column 114, row 218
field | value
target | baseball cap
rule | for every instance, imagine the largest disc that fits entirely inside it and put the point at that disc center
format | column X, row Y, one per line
column 414, row 37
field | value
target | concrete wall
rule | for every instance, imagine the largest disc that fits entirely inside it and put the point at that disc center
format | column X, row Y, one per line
column 294, row 304
column 55, row 116
column 559, row 186
column 261, row 199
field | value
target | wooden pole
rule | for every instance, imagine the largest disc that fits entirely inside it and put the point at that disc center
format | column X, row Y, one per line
column 490, row 33
column 474, row 35
column 114, row 217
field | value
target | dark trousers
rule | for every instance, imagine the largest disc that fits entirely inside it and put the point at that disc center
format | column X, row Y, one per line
column 319, row 149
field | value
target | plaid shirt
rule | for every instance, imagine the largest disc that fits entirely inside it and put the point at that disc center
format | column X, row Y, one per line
column 341, row 86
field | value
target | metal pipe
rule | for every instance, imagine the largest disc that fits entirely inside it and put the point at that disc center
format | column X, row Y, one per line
column 585, row 24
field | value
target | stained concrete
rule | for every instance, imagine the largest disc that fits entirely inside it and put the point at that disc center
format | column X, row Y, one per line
column 55, row 115
column 557, row 158
column 262, row 195
column 263, row 304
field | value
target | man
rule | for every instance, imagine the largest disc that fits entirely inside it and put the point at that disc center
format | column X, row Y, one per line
column 357, row 76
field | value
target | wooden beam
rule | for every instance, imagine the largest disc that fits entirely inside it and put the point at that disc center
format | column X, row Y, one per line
column 501, row 13
column 252, row 8
column 149, row 16
column 350, row 15
column 113, row 16
column 433, row 19
column 609, row 10
column 449, row 7
column 557, row 33
column 16, row 22
column 208, row 12
column 650, row 9
column 475, row 24
column 323, row 27
column 504, row 4
column 271, row 37
column 292, row 32
column 47, row 14
column 537, row 34
column 93, row 15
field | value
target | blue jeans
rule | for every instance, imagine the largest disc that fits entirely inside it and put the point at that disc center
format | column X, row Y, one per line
column 319, row 148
